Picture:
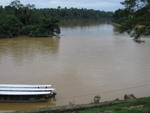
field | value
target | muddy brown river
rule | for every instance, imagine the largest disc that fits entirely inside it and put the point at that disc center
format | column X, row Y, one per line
column 84, row 62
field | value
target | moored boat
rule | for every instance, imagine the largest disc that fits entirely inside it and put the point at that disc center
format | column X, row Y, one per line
column 26, row 93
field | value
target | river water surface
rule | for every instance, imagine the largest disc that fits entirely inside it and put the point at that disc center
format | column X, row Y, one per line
column 84, row 62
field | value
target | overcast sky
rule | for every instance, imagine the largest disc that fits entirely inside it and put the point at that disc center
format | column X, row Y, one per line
column 107, row 5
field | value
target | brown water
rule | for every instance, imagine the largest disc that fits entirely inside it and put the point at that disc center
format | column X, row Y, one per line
column 84, row 62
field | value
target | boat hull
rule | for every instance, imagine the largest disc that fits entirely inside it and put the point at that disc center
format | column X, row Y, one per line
column 25, row 98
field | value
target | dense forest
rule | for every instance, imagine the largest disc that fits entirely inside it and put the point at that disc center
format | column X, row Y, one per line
column 77, row 17
column 18, row 19
column 134, row 18
column 71, row 13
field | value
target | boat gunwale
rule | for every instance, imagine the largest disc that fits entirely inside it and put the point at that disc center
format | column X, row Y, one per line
column 25, row 85
column 2, row 93
column 27, row 89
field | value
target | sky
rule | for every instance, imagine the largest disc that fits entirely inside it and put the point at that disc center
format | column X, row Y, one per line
column 106, row 5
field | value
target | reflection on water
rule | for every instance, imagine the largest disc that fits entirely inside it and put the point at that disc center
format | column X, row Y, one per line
column 83, row 22
column 84, row 62
column 24, row 47
column 24, row 106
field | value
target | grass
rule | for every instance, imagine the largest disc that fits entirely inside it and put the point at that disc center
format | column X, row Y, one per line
column 130, row 107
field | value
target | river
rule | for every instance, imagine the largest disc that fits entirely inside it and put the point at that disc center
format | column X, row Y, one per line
column 84, row 62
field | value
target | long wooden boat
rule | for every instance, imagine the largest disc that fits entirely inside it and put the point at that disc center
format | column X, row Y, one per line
column 26, row 93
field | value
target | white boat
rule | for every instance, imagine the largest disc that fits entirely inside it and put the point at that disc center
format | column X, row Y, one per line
column 26, row 93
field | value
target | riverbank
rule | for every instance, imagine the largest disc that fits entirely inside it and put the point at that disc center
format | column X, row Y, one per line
column 140, row 105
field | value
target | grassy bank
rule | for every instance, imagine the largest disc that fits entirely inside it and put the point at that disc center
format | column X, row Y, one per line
column 141, row 105
column 137, row 106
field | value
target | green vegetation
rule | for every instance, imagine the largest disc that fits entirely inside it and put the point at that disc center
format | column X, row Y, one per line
column 18, row 19
column 134, row 18
column 137, row 106
column 65, row 15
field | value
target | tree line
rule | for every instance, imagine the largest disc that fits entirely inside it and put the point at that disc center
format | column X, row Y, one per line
column 134, row 18
column 19, row 19
column 71, row 13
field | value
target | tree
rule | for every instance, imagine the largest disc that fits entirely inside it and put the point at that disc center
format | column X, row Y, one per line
column 19, row 19
column 134, row 18
column 16, row 3
column 9, row 26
